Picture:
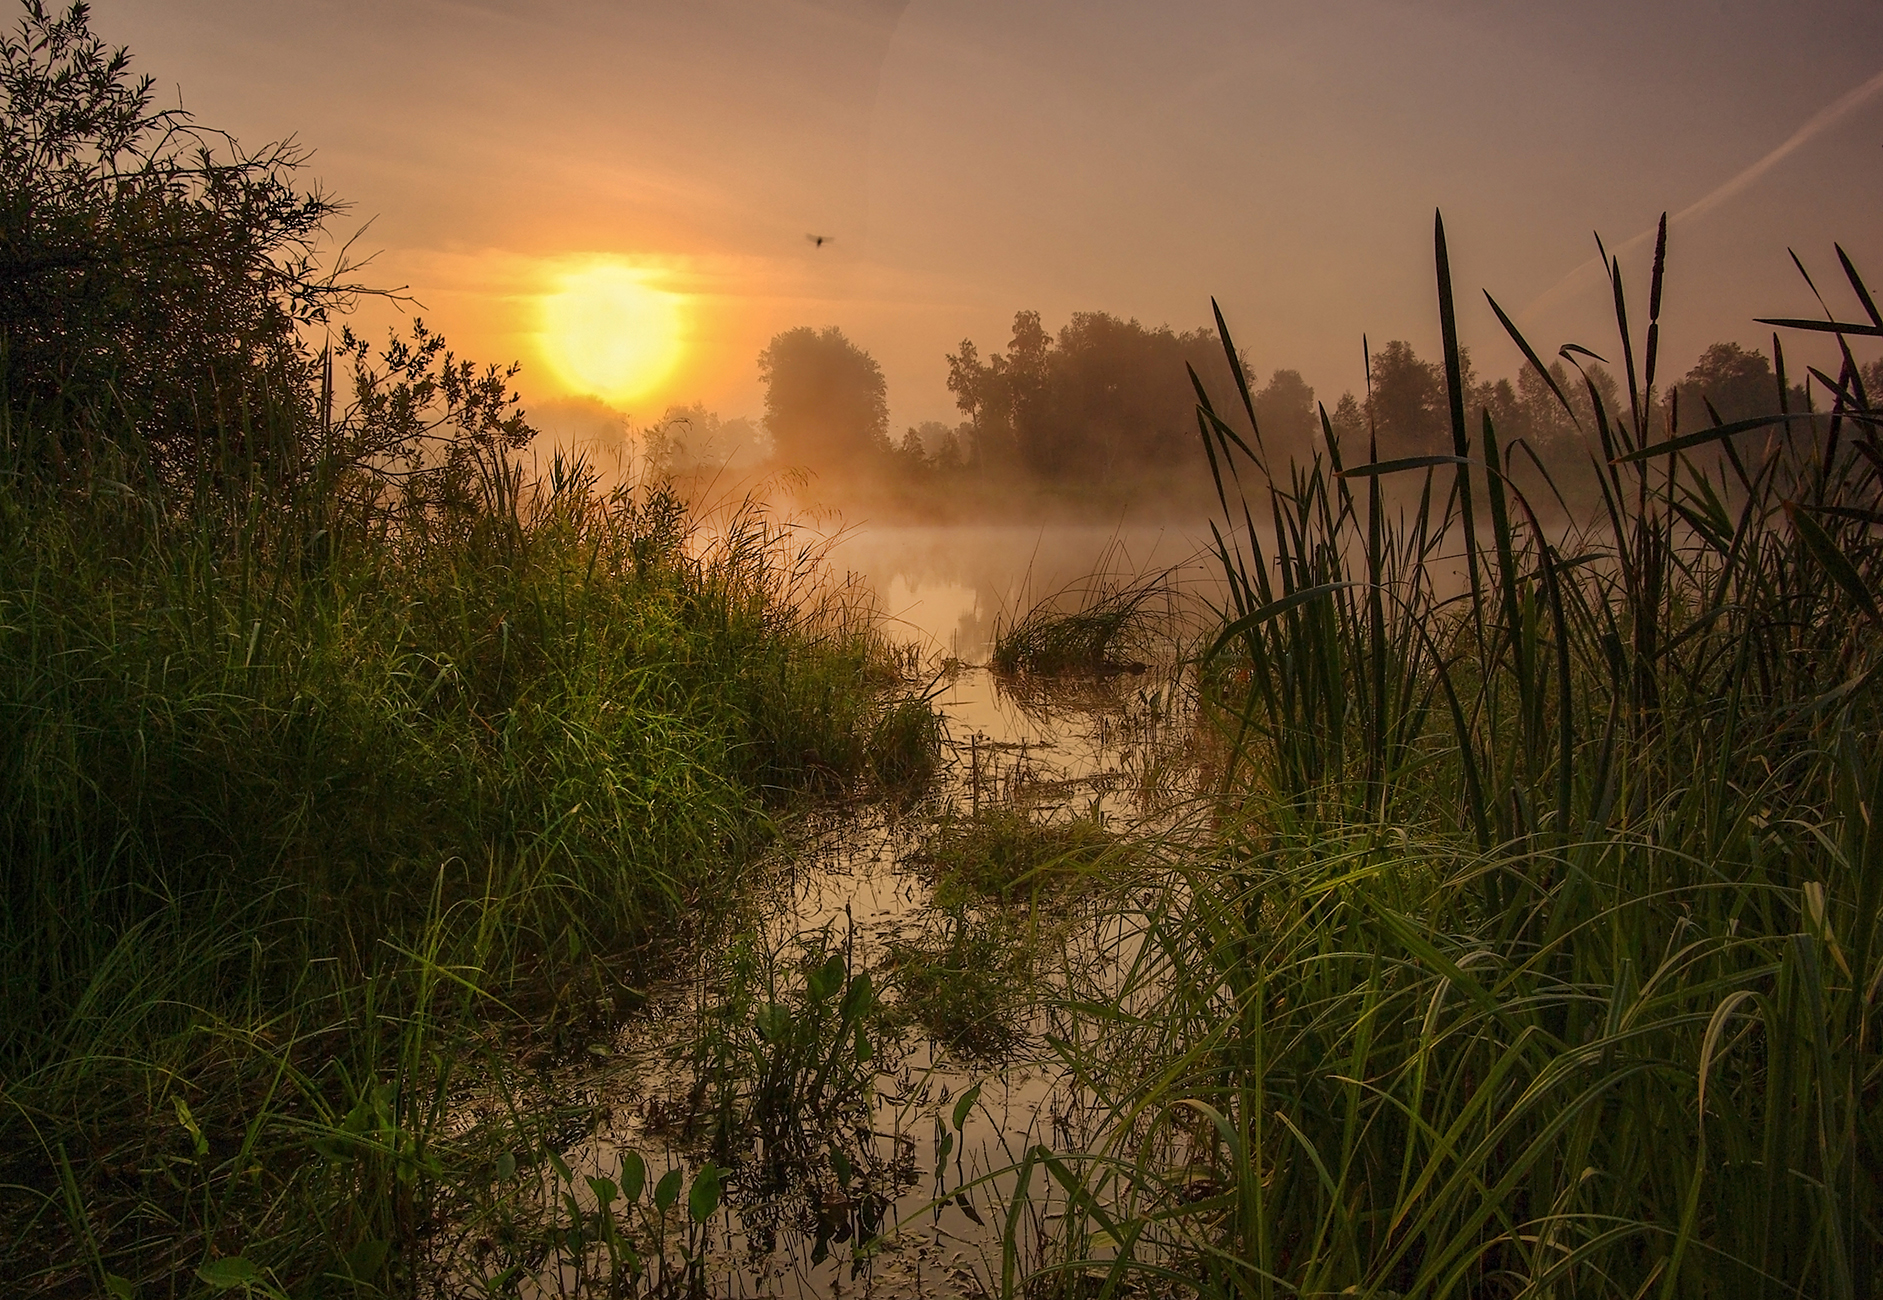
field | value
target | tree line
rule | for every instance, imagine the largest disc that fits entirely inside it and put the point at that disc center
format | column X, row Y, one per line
column 1108, row 406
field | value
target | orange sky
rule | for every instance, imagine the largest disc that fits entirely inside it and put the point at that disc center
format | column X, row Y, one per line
column 969, row 159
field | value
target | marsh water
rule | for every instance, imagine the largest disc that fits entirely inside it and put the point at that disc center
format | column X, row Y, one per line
column 918, row 1164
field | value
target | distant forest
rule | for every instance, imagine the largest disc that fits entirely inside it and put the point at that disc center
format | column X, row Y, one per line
column 1104, row 413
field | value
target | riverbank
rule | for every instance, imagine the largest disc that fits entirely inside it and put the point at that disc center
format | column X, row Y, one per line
column 294, row 816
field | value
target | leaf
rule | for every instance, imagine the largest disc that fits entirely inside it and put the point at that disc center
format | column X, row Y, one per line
column 1704, row 436
column 703, row 1199
column 119, row 1287
column 667, row 1190
column 771, row 1022
column 827, row 979
column 1535, row 361
column 506, row 1166
column 1824, row 550
column 229, row 1272
column 366, row 1259
column 965, row 1106
column 1380, row 468
column 633, row 1176
column 1821, row 326
column 188, row 1121
column 840, row 1165
column 605, row 1191
column 1275, row 608
column 858, row 998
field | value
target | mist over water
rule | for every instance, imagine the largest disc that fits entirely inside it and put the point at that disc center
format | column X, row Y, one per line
column 946, row 586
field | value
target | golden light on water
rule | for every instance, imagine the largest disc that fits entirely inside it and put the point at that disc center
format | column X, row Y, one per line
column 609, row 334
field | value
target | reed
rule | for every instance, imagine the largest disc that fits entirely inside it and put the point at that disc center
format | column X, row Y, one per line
column 1538, row 950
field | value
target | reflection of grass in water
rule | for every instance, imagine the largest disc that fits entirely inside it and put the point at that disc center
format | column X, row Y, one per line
column 1003, row 853
column 968, row 984
column 971, row 980
column 1049, row 639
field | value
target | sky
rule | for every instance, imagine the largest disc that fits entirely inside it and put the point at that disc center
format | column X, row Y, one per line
column 969, row 158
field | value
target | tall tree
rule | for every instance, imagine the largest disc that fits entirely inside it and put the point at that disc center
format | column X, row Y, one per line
column 154, row 278
column 1407, row 403
column 1104, row 399
column 826, row 403
column 1738, row 382
column 1284, row 412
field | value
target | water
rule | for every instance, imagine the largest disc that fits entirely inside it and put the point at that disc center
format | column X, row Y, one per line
column 912, row 1167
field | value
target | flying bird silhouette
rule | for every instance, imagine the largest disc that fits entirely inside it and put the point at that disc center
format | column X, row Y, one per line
column 821, row 240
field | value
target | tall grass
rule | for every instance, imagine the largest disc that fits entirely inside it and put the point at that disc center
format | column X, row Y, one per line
column 295, row 811
column 1540, row 950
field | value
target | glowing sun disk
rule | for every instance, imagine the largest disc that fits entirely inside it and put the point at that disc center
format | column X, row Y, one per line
column 609, row 334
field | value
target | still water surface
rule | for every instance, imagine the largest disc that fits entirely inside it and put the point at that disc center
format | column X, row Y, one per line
column 1109, row 749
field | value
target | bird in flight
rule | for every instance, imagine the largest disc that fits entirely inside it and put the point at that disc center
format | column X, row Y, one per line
column 820, row 240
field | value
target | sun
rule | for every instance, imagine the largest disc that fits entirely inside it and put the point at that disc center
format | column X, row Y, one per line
column 609, row 334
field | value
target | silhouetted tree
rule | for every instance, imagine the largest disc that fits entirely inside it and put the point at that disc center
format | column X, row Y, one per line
column 1349, row 422
column 154, row 278
column 1284, row 412
column 1104, row 399
column 826, row 404
column 1738, row 383
column 688, row 438
column 157, row 289
column 1407, row 403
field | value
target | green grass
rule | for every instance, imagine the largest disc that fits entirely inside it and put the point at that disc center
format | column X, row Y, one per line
column 1005, row 853
column 969, row 981
column 1539, row 951
column 1050, row 640
column 307, row 823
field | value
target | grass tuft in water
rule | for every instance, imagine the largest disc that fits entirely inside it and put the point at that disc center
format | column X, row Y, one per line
column 1099, row 635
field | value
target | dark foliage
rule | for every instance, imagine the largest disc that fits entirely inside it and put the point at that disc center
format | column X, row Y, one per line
column 154, row 277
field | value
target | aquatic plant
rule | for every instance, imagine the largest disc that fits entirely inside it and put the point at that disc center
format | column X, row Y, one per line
column 1539, row 952
column 968, row 982
column 1049, row 639
column 1006, row 853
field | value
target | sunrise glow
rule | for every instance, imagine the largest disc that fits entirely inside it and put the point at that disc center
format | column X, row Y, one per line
column 607, row 333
